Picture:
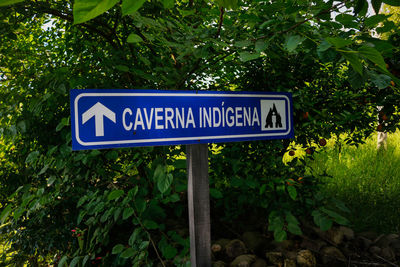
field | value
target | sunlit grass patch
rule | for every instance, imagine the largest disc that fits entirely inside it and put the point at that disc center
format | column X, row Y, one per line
column 367, row 180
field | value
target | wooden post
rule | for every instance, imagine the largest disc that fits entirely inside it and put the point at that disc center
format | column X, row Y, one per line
column 199, row 205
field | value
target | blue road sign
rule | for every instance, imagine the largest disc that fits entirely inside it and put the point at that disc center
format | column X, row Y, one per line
column 126, row 118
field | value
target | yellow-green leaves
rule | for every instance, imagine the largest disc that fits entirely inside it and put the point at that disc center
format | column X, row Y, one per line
column 9, row 2
column 85, row 10
column 134, row 38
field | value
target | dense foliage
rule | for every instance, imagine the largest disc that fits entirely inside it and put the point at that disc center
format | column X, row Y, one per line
column 128, row 206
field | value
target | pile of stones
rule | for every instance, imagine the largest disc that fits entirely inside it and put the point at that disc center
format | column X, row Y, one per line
column 339, row 246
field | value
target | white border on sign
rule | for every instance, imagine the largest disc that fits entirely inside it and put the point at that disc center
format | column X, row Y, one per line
column 141, row 141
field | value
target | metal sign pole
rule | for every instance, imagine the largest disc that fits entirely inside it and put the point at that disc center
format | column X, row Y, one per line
column 199, row 205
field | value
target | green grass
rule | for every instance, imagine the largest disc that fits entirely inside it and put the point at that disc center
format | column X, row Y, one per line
column 366, row 180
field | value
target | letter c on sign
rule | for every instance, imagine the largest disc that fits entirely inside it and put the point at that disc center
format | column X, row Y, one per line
column 127, row 127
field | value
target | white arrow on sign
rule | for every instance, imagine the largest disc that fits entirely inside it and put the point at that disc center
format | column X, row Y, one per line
column 98, row 111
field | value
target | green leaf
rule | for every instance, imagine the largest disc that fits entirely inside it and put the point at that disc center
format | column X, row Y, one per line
column 106, row 215
column 128, row 253
column 228, row 3
column 179, row 164
column 122, row 68
column 376, row 4
column 117, row 249
column 81, row 215
column 360, row 6
column 117, row 213
column 392, row 2
column 275, row 222
column 85, row 10
column 4, row 214
column 132, row 193
column 215, row 193
column 346, row 20
column 260, row 46
column 159, row 173
column 339, row 42
column 168, row 3
column 164, row 184
column 44, row 169
column 321, row 220
column 353, row 58
column 134, row 236
column 144, row 245
column 167, row 250
column 134, row 38
column 337, row 217
column 63, row 122
column 323, row 46
column 127, row 213
column 94, row 153
column 380, row 80
column 340, row 205
column 115, row 194
column 18, row 213
column 140, row 204
column 51, row 180
column 9, row 2
column 327, row 56
column 325, row 223
column 75, row 261
column 243, row 43
column 292, row 192
column 113, row 154
column 32, row 157
column 263, row 188
column 280, row 235
column 131, row 6
column 290, row 218
column 85, row 259
column 149, row 224
column 247, row 56
column 374, row 20
column 373, row 55
column 292, row 42
column 173, row 198
column 294, row 229
column 81, row 201
column 162, row 179
column 63, row 261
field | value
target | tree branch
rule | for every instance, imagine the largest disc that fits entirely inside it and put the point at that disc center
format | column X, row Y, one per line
column 196, row 67
column 335, row 7
column 43, row 8
column 221, row 20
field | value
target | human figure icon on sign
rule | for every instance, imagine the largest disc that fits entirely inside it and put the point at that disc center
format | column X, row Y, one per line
column 274, row 119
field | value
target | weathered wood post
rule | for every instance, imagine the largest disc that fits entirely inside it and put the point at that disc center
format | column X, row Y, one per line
column 199, row 205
